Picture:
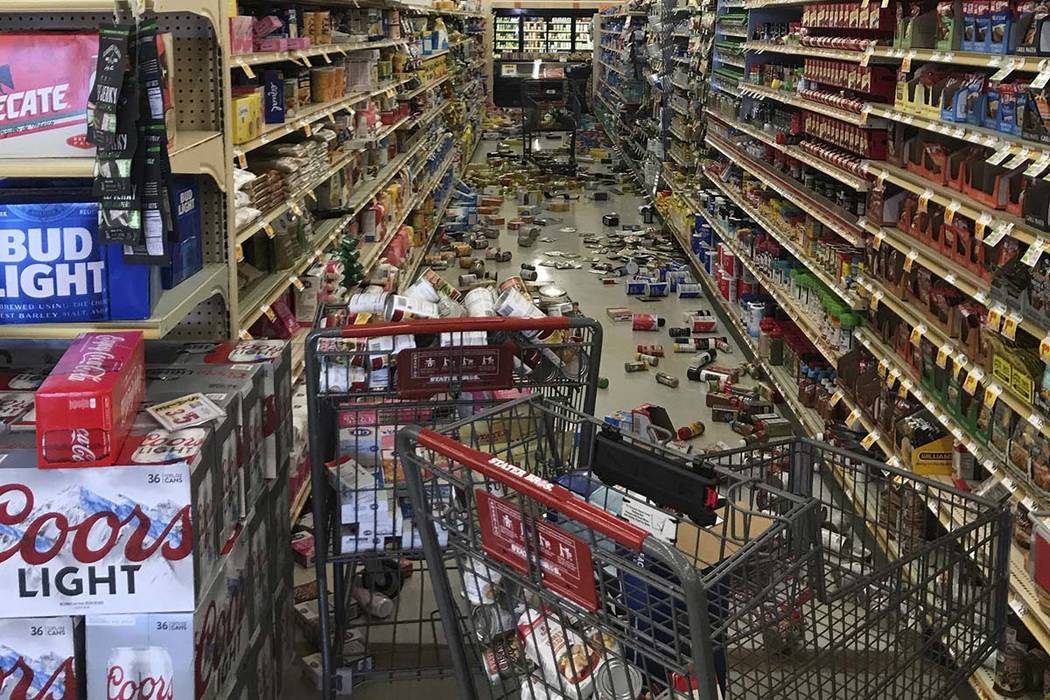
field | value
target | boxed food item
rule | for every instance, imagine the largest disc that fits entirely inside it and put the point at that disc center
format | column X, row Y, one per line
column 87, row 404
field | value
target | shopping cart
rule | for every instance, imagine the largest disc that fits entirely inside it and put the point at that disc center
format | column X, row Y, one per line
column 365, row 382
column 823, row 576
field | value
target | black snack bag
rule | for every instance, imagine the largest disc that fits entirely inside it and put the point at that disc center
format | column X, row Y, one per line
column 114, row 63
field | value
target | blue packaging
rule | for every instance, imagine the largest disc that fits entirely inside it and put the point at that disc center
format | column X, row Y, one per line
column 53, row 268
column 657, row 289
column 636, row 286
column 689, row 290
column 273, row 97
column 187, row 250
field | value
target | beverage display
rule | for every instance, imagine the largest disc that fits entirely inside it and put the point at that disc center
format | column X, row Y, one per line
column 37, row 658
column 140, row 672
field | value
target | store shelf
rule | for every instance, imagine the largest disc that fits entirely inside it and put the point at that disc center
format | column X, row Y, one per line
column 732, row 31
column 839, row 54
column 794, row 247
column 847, row 228
column 196, row 153
column 409, row 94
column 303, row 56
column 1022, row 64
column 613, row 68
column 208, row 8
column 790, row 98
column 678, row 134
column 299, row 502
column 732, row 61
column 947, row 197
column 681, row 86
column 856, row 182
column 173, row 306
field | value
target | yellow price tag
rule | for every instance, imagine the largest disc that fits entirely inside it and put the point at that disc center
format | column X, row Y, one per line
column 297, row 283
column 837, row 396
column 942, row 356
column 970, row 384
column 246, row 68
column 870, row 439
column 950, row 210
column 1044, row 349
column 265, row 308
column 917, row 333
column 875, row 299
column 903, row 389
column 924, row 200
column 244, row 335
column 294, row 206
column 995, row 317
column 312, row 195
column 1010, row 325
column 238, row 252
column 270, row 233
column 877, row 242
column 853, row 417
column 308, row 129
column 892, row 377
column 910, row 260
column 991, row 394
column 883, row 368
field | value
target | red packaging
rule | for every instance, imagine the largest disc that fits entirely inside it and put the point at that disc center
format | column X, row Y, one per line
column 646, row 322
column 45, row 81
column 86, row 406
column 704, row 324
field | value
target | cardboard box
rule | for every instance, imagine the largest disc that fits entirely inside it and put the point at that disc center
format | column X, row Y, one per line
column 140, row 558
column 87, row 404
column 38, row 653
column 46, row 80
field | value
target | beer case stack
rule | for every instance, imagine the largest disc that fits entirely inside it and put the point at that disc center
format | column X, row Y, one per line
column 120, row 596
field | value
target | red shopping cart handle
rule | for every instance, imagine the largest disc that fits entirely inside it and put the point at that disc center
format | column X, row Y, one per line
column 538, row 489
column 457, row 325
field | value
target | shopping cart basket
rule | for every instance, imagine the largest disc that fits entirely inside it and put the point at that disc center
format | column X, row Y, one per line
column 824, row 575
column 365, row 382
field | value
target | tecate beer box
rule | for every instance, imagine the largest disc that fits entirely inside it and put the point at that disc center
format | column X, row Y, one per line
column 147, row 657
column 38, row 659
column 114, row 540
column 223, row 384
column 45, row 81
column 85, row 407
column 274, row 358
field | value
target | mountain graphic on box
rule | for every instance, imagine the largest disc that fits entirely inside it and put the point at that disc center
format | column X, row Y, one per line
column 41, row 671
column 78, row 503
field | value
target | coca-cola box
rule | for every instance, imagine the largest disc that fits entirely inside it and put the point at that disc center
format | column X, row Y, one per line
column 87, row 404
column 38, row 658
column 221, row 383
column 147, row 657
column 114, row 540
column 274, row 357
column 204, row 449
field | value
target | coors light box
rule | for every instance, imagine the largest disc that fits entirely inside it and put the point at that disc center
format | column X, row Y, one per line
column 37, row 658
column 110, row 540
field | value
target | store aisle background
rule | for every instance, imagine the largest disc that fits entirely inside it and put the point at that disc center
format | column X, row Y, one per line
column 683, row 404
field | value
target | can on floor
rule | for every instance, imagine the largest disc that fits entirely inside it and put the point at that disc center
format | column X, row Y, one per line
column 667, row 380
column 634, row 366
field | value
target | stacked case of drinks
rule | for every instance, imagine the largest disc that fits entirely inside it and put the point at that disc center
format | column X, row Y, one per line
column 142, row 488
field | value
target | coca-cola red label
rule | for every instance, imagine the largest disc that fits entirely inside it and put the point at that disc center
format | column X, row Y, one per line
column 106, row 540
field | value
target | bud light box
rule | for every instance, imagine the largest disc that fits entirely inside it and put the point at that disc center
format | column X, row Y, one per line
column 139, row 656
column 136, row 555
column 45, row 82
column 38, row 658
column 53, row 268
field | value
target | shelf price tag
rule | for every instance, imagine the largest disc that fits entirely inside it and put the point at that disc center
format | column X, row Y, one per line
column 870, row 51
column 884, row 367
column 1039, row 166
column 238, row 252
column 270, row 233
column 999, row 156
column 242, row 158
column 892, row 377
column 917, row 333
column 981, row 224
column 904, row 388
column 877, row 241
column 875, row 299
column 970, row 384
column 835, row 398
column 853, row 417
column 995, row 317
column 1010, row 324
column 870, row 439
column 999, row 233
column 297, row 283
column 1034, row 252
column 270, row 314
column 294, row 206
column 246, row 68
column 950, row 210
column 1040, row 81
column 244, row 335
column 1036, row 420
column 906, row 61
column 924, row 200
column 991, row 395
column 1044, row 349
column 942, row 355
column 1018, row 159
column 1005, row 68
column 913, row 255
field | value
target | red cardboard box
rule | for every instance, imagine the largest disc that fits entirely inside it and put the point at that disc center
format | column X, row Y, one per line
column 86, row 406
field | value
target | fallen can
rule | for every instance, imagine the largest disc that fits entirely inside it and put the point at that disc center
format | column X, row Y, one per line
column 635, row 366
column 667, row 380
column 611, row 219
column 655, row 350
column 646, row 322
column 503, row 256
column 694, row 429
column 684, row 345
column 689, row 291
column 679, row 332
column 651, row 360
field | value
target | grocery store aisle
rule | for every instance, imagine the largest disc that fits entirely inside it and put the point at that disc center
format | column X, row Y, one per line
column 562, row 241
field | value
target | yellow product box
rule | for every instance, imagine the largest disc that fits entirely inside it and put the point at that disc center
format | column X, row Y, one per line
column 247, row 117
column 933, row 458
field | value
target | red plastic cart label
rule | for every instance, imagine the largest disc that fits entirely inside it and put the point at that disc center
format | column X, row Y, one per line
column 565, row 560
column 471, row 368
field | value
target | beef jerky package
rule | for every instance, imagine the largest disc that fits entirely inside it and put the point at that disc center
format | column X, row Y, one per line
column 114, row 63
